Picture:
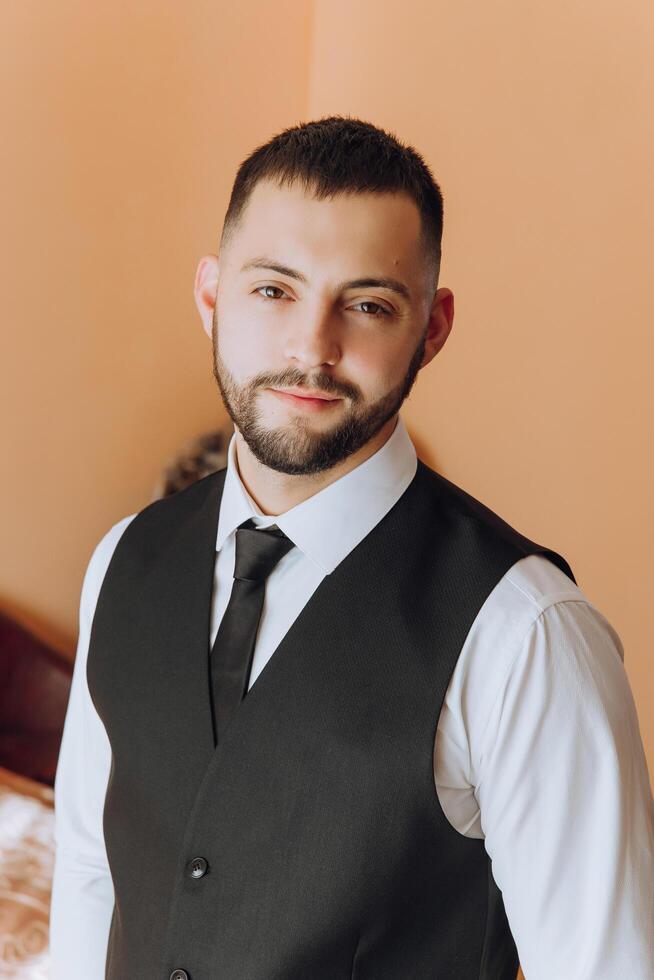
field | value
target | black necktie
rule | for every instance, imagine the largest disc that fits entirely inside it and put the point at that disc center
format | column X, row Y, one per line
column 257, row 552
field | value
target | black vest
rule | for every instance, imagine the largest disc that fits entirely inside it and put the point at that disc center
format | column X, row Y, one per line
column 325, row 852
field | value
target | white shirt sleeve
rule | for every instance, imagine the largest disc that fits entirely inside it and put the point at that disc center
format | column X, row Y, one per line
column 82, row 889
column 566, row 804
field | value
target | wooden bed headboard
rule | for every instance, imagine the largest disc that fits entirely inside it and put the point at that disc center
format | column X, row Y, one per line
column 34, row 687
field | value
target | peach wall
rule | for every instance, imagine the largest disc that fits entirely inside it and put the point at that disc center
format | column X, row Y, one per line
column 127, row 124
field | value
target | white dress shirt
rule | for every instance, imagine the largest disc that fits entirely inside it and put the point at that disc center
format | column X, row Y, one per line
column 537, row 748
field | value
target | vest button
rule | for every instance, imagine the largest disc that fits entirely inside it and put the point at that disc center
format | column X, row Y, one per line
column 179, row 975
column 195, row 868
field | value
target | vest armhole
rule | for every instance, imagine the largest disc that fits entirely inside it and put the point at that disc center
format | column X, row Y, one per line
column 499, row 955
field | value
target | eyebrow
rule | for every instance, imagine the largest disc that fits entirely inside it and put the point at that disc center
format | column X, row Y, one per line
column 367, row 281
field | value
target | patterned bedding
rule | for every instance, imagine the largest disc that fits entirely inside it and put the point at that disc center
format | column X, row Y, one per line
column 26, row 866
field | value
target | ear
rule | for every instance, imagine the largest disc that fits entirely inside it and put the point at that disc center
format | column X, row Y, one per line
column 440, row 323
column 205, row 288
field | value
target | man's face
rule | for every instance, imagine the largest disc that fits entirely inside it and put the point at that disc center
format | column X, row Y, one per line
column 306, row 325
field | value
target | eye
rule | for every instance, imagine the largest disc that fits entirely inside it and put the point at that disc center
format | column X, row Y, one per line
column 382, row 309
column 259, row 288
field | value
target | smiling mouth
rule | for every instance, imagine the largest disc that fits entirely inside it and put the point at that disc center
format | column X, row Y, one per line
column 305, row 401
column 308, row 394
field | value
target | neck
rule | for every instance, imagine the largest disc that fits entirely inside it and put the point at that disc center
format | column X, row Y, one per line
column 275, row 493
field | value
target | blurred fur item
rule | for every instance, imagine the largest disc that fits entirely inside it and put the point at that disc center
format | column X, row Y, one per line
column 198, row 458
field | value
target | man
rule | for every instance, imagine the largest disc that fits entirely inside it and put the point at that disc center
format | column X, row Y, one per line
column 331, row 717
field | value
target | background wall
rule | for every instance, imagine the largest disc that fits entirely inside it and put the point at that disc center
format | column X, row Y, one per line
column 125, row 125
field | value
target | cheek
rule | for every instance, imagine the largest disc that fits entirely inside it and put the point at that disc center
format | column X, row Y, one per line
column 243, row 344
column 376, row 367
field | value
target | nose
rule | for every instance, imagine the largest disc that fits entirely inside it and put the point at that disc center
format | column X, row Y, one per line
column 311, row 339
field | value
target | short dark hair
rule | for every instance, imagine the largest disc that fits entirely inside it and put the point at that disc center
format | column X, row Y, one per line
column 342, row 154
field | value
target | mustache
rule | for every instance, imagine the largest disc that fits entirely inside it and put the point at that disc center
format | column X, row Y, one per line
column 321, row 382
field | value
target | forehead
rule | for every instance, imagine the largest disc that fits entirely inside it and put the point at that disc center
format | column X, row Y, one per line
column 366, row 227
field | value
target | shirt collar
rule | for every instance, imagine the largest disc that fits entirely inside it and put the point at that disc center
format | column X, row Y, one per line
column 328, row 525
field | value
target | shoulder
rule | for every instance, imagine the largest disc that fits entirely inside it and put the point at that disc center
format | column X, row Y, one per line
column 149, row 531
column 97, row 566
column 105, row 548
column 475, row 528
column 535, row 604
column 531, row 586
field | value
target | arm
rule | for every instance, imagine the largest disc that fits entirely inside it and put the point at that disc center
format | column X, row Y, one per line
column 82, row 889
column 566, row 805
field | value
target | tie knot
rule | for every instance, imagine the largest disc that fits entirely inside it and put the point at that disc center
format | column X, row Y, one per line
column 258, row 549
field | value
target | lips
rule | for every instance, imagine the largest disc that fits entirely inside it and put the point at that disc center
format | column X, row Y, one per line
column 305, row 402
column 313, row 396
